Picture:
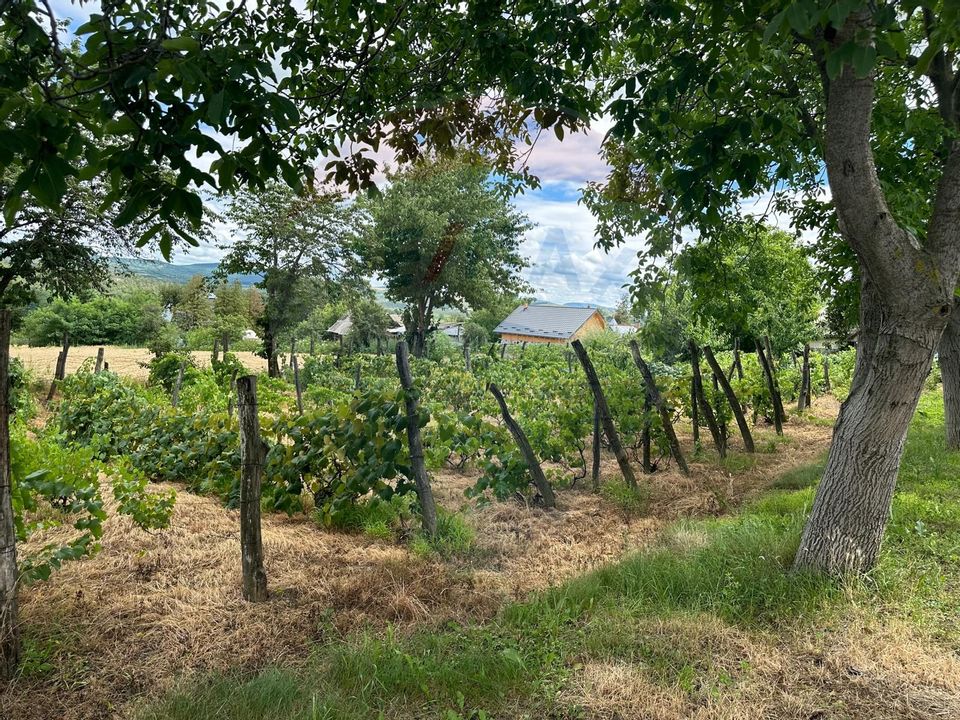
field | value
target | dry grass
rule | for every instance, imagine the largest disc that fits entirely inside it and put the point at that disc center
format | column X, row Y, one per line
column 698, row 668
column 150, row 609
column 128, row 362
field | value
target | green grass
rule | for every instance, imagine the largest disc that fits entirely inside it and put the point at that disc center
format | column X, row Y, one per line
column 732, row 570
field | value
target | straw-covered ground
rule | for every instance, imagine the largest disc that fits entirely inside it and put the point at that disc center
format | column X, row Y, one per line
column 153, row 613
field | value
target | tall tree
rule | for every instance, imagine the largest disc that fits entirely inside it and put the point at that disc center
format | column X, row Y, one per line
column 442, row 235
column 717, row 103
column 298, row 243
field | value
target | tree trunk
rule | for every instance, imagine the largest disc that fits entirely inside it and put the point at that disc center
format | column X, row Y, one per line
column 270, row 347
column 428, row 507
column 654, row 394
column 731, row 400
column 699, row 397
column 601, row 403
column 771, row 387
column 906, row 297
column 9, row 619
column 950, row 376
column 595, row 475
column 252, row 450
column 533, row 465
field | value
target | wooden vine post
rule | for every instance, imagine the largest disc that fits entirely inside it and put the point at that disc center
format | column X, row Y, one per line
column 9, row 622
column 428, row 507
column 99, row 366
column 731, row 399
column 533, row 465
column 597, row 439
column 60, row 370
column 356, row 376
column 251, row 469
column 226, row 344
column 806, row 364
column 647, row 462
column 803, row 398
column 700, row 398
column 175, row 398
column 215, row 357
column 296, row 384
column 293, row 349
column 826, row 372
column 777, row 396
column 694, row 413
column 604, row 410
column 771, row 387
column 658, row 402
column 466, row 357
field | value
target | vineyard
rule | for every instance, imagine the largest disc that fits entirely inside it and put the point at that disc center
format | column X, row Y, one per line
column 112, row 463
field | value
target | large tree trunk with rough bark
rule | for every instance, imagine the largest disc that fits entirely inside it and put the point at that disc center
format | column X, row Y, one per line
column 906, row 298
column 950, row 374
column 252, row 452
column 9, row 624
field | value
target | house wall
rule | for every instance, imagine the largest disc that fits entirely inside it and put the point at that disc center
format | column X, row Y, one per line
column 594, row 323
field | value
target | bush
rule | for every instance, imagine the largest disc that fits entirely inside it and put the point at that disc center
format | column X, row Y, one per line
column 165, row 369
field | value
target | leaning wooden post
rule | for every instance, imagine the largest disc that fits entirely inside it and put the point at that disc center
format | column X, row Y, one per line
column 519, row 437
column 694, row 416
column 175, row 398
column 9, row 623
column 645, row 435
column 252, row 451
column 62, row 368
column 215, row 357
column 765, row 364
column 777, row 396
column 597, row 439
column 503, row 350
column 731, row 399
column 804, row 394
column 601, row 403
column 53, row 383
column 296, row 384
column 806, row 365
column 99, row 366
column 226, row 343
column 657, row 399
column 700, row 397
column 428, row 507
column 466, row 357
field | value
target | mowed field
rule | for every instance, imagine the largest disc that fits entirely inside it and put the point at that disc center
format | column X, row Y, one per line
column 128, row 362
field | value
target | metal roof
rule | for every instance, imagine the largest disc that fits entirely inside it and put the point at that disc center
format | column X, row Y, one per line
column 343, row 325
column 548, row 321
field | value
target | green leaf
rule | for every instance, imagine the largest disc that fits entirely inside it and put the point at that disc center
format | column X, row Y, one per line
column 864, row 59
column 184, row 43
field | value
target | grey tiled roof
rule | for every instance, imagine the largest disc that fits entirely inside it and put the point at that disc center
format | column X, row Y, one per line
column 549, row 321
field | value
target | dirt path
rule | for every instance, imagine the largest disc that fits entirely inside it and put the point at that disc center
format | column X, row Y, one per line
column 150, row 608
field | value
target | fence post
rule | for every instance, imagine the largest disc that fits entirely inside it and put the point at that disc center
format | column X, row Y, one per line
column 605, row 420
column 826, row 372
column 768, row 374
column 296, row 384
column 533, row 465
column 731, row 399
column 9, row 624
column 216, row 351
column 175, row 398
column 701, row 398
column 595, row 475
column 60, row 371
column 654, row 394
column 804, row 395
column 466, row 357
column 99, row 366
column 428, row 507
column 251, row 468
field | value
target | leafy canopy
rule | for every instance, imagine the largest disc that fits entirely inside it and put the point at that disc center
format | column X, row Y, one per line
column 262, row 89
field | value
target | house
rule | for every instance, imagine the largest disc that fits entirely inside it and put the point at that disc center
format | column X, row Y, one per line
column 549, row 324
column 453, row 330
column 341, row 328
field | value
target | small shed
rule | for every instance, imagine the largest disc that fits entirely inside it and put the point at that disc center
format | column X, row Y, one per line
column 453, row 330
column 549, row 324
column 341, row 328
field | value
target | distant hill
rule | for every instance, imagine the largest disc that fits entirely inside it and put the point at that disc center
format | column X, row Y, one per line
column 168, row 272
